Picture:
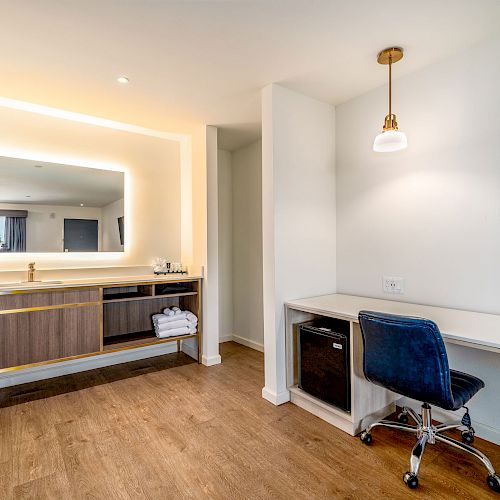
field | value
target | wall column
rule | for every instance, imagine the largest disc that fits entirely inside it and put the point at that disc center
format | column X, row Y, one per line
column 298, row 216
column 211, row 354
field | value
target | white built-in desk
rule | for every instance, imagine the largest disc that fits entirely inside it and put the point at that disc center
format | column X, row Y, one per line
column 370, row 402
column 477, row 330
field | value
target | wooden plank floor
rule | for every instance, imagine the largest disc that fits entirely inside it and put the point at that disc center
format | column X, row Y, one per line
column 169, row 428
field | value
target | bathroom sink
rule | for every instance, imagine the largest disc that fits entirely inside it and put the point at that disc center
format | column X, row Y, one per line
column 29, row 283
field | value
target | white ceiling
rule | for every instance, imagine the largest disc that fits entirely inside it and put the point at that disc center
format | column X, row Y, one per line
column 206, row 61
column 31, row 182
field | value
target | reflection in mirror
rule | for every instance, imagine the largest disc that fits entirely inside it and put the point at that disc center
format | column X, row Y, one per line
column 50, row 207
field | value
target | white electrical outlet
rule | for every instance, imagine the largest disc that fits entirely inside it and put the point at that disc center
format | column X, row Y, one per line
column 393, row 284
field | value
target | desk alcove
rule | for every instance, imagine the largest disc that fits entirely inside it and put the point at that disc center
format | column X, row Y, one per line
column 370, row 402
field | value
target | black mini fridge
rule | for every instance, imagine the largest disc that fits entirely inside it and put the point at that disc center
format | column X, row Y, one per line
column 324, row 361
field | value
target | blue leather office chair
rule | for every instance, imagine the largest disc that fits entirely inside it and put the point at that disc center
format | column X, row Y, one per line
column 407, row 355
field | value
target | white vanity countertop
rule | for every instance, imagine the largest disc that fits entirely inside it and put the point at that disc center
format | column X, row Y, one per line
column 7, row 287
column 480, row 330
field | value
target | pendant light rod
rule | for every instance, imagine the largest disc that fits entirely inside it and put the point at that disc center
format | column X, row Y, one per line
column 390, row 85
column 390, row 56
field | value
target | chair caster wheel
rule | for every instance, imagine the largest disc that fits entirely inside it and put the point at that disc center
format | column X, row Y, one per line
column 366, row 437
column 468, row 437
column 411, row 480
column 494, row 482
column 403, row 418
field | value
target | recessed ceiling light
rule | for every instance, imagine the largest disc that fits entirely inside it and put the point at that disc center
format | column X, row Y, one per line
column 28, row 196
column 123, row 79
column 81, row 204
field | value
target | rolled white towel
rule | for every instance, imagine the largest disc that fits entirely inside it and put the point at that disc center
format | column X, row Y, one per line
column 191, row 317
column 168, row 312
column 172, row 325
column 176, row 332
column 176, row 310
column 163, row 318
column 159, row 318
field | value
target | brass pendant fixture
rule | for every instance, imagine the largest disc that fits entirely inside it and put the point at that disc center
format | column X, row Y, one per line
column 391, row 139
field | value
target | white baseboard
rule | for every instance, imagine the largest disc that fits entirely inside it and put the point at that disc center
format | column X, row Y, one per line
column 330, row 414
column 243, row 341
column 276, row 398
column 211, row 360
column 26, row 375
column 248, row 343
column 482, row 430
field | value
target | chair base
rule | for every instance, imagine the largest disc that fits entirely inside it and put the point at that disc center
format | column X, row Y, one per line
column 427, row 433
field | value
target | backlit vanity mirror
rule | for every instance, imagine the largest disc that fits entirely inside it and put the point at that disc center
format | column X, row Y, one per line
column 50, row 207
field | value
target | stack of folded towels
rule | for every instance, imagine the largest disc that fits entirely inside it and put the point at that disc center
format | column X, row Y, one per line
column 174, row 322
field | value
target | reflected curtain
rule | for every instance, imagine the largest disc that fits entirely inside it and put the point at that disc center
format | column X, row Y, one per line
column 15, row 234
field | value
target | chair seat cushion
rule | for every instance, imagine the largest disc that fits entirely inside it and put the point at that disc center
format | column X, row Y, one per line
column 463, row 387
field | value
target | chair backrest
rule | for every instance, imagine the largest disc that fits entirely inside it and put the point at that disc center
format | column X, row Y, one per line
column 406, row 355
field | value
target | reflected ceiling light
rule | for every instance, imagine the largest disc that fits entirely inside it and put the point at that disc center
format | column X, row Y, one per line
column 123, row 79
column 391, row 139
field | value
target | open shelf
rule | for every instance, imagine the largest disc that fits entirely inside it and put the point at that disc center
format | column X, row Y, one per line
column 139, row 339
column 181, row 294
column 176, row 288
column 127, row 297
column 115, row 297
column 137, row 292
column 127, row 310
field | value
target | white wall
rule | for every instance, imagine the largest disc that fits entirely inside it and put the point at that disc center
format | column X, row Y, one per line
column 225, row 187
column 240, row 246
column 110, row 233
column 248, row 325
column 298, row 203
column 430, row 213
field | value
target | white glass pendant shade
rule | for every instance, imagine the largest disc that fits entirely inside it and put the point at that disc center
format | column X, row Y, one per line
column 391, row 140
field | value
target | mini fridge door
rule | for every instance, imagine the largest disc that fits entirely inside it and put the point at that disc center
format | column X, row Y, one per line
column 324, row 368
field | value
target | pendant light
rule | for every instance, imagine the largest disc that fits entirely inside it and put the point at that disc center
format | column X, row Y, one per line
column 391, row 139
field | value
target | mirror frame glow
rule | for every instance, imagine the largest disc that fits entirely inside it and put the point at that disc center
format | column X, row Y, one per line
column 185, row 139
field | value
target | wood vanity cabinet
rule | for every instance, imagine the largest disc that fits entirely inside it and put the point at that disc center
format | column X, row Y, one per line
column 39, row 326
column 48, row 325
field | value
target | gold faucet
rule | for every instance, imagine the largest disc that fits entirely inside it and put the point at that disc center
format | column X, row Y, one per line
column 31, row 272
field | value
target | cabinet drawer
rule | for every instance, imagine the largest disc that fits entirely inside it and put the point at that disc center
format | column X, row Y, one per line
column 37, row 336
column 40, row 299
